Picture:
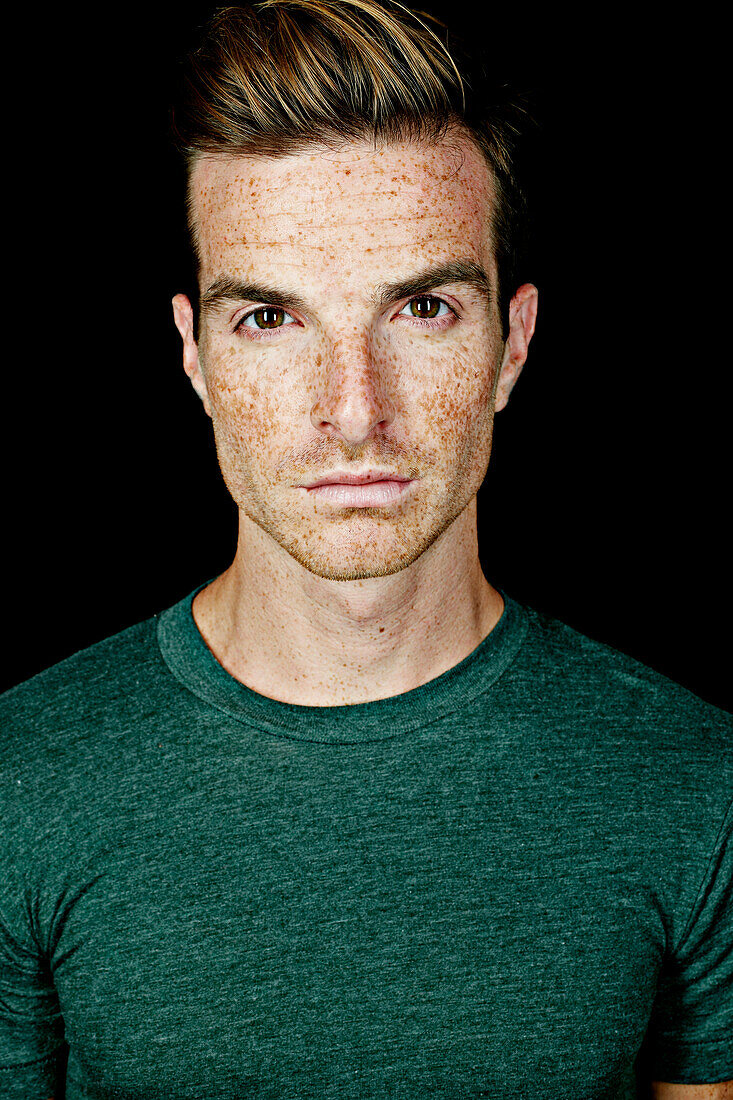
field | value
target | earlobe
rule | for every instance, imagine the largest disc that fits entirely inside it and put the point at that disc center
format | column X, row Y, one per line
column 183, row 317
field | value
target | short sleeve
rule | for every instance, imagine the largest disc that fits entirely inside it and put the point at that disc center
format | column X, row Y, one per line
column 690, row 1034
column 32, row 1045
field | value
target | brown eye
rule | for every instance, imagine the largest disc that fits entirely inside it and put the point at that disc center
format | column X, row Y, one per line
column 264, row 317
column 425, row 306
column 268, row 317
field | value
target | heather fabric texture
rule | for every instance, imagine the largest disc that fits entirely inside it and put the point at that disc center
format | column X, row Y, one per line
column 514, row 881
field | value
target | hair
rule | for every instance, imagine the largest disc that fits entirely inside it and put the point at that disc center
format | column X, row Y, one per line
column 276, row 77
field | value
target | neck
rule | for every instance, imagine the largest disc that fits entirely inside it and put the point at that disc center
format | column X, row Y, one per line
column 299, row 638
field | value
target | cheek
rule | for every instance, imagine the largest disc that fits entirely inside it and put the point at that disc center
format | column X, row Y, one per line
column 246, row 406
column 456, row 387
column 439, row 387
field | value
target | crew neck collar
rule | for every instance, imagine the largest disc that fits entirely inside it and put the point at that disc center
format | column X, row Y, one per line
column 194, row 665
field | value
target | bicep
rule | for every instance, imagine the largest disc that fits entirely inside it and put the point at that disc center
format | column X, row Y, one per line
column 32, row 1046
column 720, row 1090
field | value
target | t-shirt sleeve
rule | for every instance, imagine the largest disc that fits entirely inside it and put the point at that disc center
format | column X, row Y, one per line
column 32, row 1048
column 690, row 1035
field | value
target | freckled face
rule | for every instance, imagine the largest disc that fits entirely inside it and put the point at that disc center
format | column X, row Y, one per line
column 344, row 380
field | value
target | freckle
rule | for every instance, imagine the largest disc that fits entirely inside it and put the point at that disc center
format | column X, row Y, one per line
column 381, row 630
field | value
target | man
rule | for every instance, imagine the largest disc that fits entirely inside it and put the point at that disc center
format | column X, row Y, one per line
column 348, row 821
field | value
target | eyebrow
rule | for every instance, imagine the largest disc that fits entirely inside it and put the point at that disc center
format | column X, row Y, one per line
column 228, row 289
column 454, row 271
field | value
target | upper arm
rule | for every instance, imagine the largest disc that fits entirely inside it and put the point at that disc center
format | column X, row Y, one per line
column 721, row 1090
column 32, row 1047
column 689, row 1035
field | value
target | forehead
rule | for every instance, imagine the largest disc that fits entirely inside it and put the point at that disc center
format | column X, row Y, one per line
column 431, row 200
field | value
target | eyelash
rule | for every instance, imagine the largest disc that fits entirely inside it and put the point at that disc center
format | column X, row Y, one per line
column 255, row 333
column 431, row 322
column 447, row 319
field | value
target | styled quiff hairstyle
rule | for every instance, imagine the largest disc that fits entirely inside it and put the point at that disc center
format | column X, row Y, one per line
column 275, row 77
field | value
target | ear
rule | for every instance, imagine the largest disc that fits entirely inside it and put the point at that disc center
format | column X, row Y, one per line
column 183, row 316
column 522, row 318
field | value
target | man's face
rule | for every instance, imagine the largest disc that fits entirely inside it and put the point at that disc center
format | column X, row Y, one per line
column 330, row 340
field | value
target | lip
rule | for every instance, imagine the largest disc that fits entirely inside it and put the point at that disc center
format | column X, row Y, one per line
column 369, row 494
column 340, row 477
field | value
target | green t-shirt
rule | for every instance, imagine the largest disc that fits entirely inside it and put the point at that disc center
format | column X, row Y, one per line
column 513, row 881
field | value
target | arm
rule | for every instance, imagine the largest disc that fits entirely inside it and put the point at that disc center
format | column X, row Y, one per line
column 662, row 1090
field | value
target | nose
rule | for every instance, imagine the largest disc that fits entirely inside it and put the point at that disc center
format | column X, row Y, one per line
column 353, row 401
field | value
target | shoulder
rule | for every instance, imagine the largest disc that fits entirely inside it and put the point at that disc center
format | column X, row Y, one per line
column 68, row 702
column 596, row 674
column 626, row 742
column 111, row 659
column 606, row 703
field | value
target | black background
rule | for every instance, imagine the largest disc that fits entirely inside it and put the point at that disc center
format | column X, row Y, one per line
column 606, row 498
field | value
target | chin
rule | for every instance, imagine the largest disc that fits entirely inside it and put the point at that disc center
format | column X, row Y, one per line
column 350, row 547
column 340, row 564
column 353, row 571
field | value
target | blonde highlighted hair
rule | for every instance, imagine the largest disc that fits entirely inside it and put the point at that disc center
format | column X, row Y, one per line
column 274, row 77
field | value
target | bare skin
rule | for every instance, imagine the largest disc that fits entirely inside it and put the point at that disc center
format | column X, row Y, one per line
column 326, row 605
column 723, row 1090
